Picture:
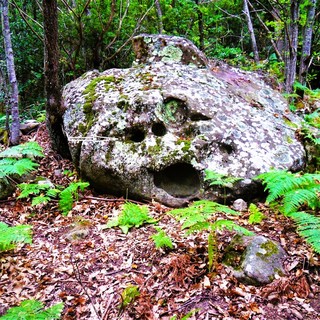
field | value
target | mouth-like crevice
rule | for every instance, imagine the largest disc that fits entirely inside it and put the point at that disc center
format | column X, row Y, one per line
column 180, row 180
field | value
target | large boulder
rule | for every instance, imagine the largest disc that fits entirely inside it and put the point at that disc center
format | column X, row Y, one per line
column 151, row 130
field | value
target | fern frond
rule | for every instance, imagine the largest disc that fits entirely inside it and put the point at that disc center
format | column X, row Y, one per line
column 308, row 226
column 161, row 239
column 218, row 179
column 9, row 236
column 33, row 309
column 294, row 199
column 68, row 195
column 132, row 215
column 230, row 225
column 29, row 149
column 256, row 216
column 40, row 200
column 10, row 166
column 31, row 189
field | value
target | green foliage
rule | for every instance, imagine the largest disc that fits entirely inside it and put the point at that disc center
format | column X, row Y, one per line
column 197, row 216
column 161, row 239
column 308, row 226
column 42, row 193
column 9, row 236
column 187, row 316
column 256, row 216
column 200, row 216
column 29, row 149
column 16, row 160
column 218, row 179
column 132, row 215
column 128, row 295
column 33, row 310
column 313, row 119
column 296, row 191
column 69, row 195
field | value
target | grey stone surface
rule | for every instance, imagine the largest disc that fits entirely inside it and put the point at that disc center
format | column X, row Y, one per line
column 255, row 260
column 151, row 130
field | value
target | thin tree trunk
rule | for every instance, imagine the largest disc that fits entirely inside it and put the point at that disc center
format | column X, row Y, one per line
column 52, row 86
column 14, row 99
column 200, row 27
column 307, row 42
column 291, row 46
column 251, row 31
column 159, row 13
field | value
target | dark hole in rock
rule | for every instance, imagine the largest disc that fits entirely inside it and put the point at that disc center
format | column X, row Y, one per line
column 159, row 129
column 135, row 134
column 180, row 180
column 198, row 117
column 226, row 148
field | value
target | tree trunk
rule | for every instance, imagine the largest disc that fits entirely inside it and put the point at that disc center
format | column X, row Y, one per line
column 255, row 50
column 14, row 99
column 51, row 71
column 159, row 13
column 307, row 42
column 291, row 46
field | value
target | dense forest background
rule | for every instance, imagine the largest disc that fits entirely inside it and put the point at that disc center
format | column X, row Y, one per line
column 278, row 36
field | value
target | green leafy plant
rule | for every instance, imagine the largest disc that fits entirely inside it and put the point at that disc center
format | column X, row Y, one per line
column 187, row 316
column 256, row 216
column 132, row 215
column 294, row 191
column 33, row 310
column 42, row 193
column 128, row 295
column 9, row 236
column 200, row 216
column 19, row 160
column 161, row 239
column 220, row 180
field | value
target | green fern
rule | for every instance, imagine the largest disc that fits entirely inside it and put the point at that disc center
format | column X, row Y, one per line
column 28, row 149
column 69, row 194
column 42, row 193
column 33, row 310
column 9, row 236
column 200, row 216
column 161, row 239
column 132, row 215
column 218, row 179
column 16, row 160
column 197, row 216
column 256, row 216
column 308, row 227
column 294, row 189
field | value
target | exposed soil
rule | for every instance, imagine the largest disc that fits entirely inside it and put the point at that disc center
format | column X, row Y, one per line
column 74, row 260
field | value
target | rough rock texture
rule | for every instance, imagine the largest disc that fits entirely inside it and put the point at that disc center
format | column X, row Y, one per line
column 151, row 130
column 255, row 260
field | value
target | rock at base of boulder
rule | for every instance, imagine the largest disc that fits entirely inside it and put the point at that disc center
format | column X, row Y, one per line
column 255, row 260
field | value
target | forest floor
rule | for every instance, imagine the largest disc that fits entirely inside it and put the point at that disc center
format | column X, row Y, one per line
column 89, row 272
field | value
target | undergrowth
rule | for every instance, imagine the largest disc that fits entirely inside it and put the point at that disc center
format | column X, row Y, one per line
column 296, row 191
column 33, row 310
column 10, row 236
column 201, row 216
column 42, row 193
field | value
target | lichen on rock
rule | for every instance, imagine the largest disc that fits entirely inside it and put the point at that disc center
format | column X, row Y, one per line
column 151, row 130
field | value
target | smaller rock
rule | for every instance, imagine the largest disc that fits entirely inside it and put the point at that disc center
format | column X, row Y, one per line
column 28, row 126
column 240, row 205
column 255, row 260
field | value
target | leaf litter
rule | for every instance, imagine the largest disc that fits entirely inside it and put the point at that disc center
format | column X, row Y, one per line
column 73, row 260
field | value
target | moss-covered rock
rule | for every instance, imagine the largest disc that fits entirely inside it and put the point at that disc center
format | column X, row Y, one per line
column 154, row 128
